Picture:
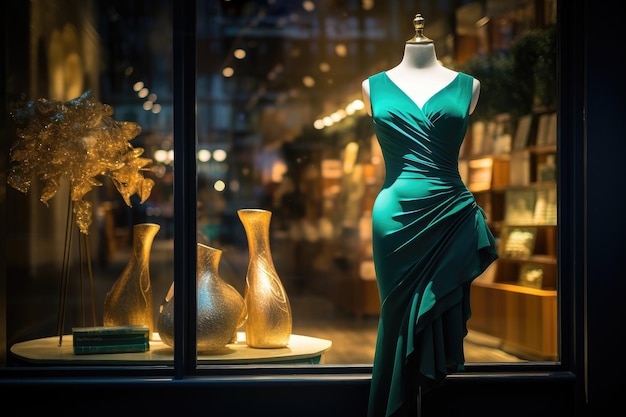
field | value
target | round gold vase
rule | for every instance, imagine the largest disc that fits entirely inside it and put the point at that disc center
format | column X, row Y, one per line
column 221, row 308
column 129, row 302
column 269, row 312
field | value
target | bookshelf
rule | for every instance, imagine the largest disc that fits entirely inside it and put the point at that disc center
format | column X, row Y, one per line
column 515, row 300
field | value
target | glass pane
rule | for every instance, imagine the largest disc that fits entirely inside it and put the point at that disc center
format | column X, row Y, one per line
column 89, row 188
column 282, row 127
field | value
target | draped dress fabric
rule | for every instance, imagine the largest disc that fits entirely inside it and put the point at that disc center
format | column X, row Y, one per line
column 430, row 240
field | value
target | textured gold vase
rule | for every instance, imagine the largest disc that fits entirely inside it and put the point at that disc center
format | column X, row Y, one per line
column 221, row 308
column 269, row 312
column 129, row 302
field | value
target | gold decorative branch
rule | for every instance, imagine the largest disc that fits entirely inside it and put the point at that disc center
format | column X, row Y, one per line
column 80, row 141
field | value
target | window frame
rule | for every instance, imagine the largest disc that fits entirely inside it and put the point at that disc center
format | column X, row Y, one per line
column 570, row 233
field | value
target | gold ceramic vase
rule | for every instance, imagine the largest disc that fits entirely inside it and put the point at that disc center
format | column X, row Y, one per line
column 129, row 302
column 221, row 308
column 269, row 312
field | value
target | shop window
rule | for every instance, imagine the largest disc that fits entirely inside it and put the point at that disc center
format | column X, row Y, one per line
column 280, row 127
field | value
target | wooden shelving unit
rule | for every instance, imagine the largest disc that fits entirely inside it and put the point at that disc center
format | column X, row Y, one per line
column 515, row 300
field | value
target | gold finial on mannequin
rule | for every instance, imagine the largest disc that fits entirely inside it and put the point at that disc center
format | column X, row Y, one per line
column 418, row 22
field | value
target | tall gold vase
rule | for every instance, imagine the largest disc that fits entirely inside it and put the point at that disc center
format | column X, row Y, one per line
column 129, row 302
column 221, row 309
column 269, row 312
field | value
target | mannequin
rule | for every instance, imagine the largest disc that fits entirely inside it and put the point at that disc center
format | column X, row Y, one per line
column 430, row 239
column 419, row 74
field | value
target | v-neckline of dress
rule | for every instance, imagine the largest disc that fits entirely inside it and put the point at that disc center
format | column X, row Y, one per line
column 421, row 108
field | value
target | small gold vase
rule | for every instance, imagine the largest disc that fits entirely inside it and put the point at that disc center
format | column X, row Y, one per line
column 129, row 302
column 221, row 309
column 269, row 312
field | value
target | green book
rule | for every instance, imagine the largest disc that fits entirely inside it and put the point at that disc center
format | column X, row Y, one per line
column 110, row 339
column 120, row 348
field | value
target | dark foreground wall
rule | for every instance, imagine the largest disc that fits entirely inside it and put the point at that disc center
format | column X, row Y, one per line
column 483, row 397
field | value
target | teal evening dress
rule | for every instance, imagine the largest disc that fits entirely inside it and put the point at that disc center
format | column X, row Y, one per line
column 430, row 240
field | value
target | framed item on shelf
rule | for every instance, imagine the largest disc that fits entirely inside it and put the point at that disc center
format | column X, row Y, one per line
column 519, row 242
column 520, row 206
column 519, row 168
column 522, row 132
column 546, row 170
column 502, row 135
column 480, row 174
column 545, row 135
column 545, row 207
column 531, row 275
column 500, row 173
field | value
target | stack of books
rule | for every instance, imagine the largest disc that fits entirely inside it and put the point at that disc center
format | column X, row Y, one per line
column 110, row 339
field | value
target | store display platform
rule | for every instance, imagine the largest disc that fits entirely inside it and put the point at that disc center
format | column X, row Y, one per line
column 46, row 351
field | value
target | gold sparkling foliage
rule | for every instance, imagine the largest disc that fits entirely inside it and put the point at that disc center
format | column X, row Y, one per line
column 80, row 141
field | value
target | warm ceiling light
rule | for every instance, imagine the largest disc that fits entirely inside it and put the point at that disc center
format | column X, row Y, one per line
column 308, row 81
column 219, row 185
column 219, row 155
column 338, row 115
column 204, row 155
column 160, row 155
column 358, row 104
column 355, row 106
column 341, row 50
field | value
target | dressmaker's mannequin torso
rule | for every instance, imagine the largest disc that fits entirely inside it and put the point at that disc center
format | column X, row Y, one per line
column 430, row 238
column 420, row 76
